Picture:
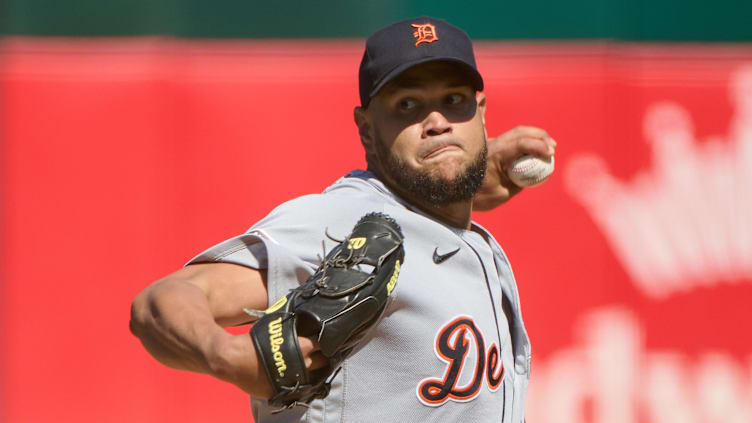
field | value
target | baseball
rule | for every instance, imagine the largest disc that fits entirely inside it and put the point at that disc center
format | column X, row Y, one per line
column 529, row 170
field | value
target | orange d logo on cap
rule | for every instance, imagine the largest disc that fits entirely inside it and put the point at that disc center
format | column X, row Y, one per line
column 424, row 33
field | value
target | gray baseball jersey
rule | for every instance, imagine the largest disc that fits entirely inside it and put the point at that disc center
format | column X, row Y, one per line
column 451, row 345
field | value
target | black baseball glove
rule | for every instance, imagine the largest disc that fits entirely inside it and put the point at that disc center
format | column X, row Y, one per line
column 343, row 299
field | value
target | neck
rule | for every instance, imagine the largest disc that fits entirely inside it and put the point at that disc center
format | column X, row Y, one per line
column 455, row 214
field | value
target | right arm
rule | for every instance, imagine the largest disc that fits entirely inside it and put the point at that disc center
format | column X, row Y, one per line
column 503, row 150
column 180, row 320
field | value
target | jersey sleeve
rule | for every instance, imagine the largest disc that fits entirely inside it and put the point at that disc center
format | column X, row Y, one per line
column 289, row 242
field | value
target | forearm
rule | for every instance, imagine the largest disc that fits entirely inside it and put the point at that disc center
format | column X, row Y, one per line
column 173, row 320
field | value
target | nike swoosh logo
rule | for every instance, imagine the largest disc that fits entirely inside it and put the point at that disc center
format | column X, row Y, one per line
column 438, row 258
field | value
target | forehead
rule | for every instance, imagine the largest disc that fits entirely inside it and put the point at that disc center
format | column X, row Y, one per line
column 432, row 74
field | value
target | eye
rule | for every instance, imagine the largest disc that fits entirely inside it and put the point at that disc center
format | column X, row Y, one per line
column 453, row 99
column 407, row 104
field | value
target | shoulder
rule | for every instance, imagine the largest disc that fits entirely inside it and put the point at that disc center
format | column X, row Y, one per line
column 344, row 201
column 307, row 219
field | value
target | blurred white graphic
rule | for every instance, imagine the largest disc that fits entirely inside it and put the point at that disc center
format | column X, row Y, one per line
column 688, row 221
column 608, row 377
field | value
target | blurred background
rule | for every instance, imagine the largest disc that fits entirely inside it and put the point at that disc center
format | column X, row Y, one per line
column 135, row 134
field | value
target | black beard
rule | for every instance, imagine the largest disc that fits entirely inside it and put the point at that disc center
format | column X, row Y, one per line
column 434, row 190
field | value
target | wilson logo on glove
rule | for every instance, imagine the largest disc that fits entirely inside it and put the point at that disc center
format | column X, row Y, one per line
column 393, row 280
column 275, row 339
column 356, row 243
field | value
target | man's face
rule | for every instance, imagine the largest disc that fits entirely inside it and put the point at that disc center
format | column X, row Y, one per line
column 427, row 136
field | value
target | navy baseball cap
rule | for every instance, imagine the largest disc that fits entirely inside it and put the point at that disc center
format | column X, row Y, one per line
column 400, row 46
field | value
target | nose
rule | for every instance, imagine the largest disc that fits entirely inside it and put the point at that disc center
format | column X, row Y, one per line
column 436, row 124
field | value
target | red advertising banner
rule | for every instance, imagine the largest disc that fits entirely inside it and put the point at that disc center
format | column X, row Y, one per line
column 121, row 159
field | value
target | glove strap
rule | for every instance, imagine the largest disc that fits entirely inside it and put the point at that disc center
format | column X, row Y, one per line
column 276, row 341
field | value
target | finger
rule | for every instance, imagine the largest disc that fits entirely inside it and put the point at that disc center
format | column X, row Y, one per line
column 536, row 147
column 316, row 360
column 307, row 345
column 312, row 356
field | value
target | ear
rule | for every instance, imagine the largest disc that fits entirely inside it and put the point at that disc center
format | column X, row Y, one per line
column 480, row 99
column 365, row 128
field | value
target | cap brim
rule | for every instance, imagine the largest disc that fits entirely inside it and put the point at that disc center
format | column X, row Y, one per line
column 475, row 79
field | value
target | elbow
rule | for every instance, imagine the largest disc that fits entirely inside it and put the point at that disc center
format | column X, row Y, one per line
column 139, row 315
column 133, row 325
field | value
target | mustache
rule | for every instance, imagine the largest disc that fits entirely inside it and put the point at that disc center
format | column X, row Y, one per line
column 429, row 148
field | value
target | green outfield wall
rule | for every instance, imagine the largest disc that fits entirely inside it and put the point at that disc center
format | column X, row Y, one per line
column 657, row 20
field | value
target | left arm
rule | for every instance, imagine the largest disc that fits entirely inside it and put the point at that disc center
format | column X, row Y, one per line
column 502, row 151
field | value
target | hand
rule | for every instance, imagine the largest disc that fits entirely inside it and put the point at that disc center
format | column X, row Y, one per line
column 502, row 151
column 312, row 355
